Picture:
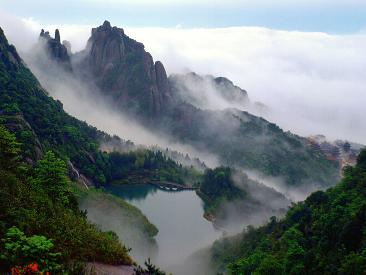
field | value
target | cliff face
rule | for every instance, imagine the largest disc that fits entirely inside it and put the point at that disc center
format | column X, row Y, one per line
column 122, row 68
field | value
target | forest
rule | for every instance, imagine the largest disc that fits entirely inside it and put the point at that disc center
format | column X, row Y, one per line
column 322, row 235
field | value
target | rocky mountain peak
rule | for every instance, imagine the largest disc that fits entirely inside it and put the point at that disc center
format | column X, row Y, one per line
column 54, row 49
column 122, row 69
column 57, row 35
column 106, row 24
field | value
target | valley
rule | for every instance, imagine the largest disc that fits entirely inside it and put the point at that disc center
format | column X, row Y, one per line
column 108, row 164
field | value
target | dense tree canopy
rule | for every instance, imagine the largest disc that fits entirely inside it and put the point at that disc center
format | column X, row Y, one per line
column 37, row 204
column 322, row 235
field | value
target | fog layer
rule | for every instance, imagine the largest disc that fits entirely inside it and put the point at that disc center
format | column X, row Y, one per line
column 313, row 82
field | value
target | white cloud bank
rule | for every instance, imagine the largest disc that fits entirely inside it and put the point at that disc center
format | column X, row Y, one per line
column 313, row 82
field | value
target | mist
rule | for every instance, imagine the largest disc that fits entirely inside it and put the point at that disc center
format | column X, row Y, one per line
column 312, row 82
column 279, row 78
column 110, row 215
column 84, row 101
column 302, row 77
column 294, row 194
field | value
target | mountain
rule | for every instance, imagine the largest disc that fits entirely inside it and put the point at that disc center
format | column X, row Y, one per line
column 42, row 150
column 208, row 92
column 41, row 227
column 41, row 124
column 59, row 52
column 231, row 198
column 322, row 235
column 95, row 158
column 126, row 74
column 123, row 70
column 37, row 197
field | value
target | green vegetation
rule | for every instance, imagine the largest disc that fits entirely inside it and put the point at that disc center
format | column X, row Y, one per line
column 146, row 166
column 216, row 188
column 243, row 140
column 39, row 216
column 39, row 209
column 20, row 250
column 325, row 234
column 149, row 270
column 132, row 217
column 41, row 124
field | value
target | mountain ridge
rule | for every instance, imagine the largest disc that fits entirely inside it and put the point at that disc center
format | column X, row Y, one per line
column 238, row 138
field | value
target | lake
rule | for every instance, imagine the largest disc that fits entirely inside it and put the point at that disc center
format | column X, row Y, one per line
column 177, row 215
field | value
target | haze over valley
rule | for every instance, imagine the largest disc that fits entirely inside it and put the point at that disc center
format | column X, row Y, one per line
column 132, row 148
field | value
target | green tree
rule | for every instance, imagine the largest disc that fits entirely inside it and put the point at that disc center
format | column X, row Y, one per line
column 22, row 250
column 9, row 149
column 50, row 175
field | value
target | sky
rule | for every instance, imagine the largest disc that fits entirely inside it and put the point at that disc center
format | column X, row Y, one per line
column 332, row 16
column 306, row 60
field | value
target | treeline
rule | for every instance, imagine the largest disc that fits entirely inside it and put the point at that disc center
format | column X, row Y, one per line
column 325, row 234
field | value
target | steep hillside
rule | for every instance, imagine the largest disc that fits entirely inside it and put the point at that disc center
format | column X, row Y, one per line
column 322, row 235
column 41, row 124
column 249, row 142
column 41, row 226
column 231, row 198
column 126, row 74
column 40, row 222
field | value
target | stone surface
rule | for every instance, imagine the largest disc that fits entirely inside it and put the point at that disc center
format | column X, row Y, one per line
column 122, row 69
column 54, row 49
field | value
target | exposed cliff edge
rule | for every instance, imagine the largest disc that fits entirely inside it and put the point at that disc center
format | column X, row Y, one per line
column 57, row 51
column 122, row 68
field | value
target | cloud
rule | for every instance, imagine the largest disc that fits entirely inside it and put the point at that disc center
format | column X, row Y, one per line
column 313, row 82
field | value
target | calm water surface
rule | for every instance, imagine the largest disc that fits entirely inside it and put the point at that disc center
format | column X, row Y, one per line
column 177, row 215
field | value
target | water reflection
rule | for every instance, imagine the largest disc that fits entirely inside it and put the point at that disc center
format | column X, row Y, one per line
column 177, row 215
column 133, row 192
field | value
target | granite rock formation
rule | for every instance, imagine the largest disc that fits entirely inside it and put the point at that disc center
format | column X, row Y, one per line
column 56, row 50
column 122, row 68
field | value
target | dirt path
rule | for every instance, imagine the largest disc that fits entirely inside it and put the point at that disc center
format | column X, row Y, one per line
column 104, row 269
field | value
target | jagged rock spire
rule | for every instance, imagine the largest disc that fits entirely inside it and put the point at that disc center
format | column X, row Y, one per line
column 56, row 51
column 121, row 66
column 107, row 24
column 57, row 35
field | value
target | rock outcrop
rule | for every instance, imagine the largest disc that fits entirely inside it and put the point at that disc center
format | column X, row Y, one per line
column 56, row 50
column 122, row 68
